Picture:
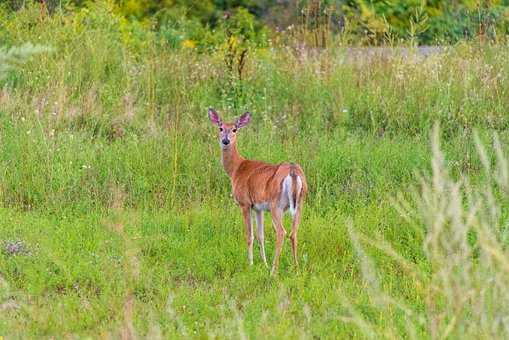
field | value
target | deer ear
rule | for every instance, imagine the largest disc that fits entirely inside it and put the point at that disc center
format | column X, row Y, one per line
column 243, row 120
column 214, row 117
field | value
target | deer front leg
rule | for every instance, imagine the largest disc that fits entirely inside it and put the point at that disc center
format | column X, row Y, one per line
column 246, row 212
column 277, row 214
column 260, row 235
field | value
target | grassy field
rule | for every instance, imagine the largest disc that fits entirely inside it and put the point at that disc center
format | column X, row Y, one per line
column 111, row 182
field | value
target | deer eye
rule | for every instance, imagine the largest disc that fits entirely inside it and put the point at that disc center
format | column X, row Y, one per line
column 234, row 130
column 221, row 129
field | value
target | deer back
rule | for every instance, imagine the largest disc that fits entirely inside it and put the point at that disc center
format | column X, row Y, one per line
column 256, row 182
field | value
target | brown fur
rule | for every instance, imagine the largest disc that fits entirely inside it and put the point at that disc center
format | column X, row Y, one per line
column 256, row 182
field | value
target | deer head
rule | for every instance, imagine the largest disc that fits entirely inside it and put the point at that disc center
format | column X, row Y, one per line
column 228, row 131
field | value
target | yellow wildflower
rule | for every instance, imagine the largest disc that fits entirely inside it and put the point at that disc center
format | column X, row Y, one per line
column 188, row 43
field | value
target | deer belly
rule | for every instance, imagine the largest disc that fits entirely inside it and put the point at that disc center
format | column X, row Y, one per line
column 261, row 206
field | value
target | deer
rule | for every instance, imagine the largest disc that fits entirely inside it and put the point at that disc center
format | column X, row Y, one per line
column 258, row 186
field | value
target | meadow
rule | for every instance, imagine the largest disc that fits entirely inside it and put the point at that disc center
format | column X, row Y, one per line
column 112, row 185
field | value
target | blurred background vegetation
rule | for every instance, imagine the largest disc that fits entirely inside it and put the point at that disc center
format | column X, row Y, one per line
column 204, row 23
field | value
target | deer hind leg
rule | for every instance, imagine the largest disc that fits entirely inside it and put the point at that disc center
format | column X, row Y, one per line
column 277, row 214
column 260, row 235
column 293, row 233
column 292, row 186
column 246, row 212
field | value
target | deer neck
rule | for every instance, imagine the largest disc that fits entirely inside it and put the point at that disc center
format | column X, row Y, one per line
column 231, row 159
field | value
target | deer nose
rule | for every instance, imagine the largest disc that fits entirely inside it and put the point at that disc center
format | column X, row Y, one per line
column 226, row 141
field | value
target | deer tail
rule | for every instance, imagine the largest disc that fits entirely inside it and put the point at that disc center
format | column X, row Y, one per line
column 296, row 189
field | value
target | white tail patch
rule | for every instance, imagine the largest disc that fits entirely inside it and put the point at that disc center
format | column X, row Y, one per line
column 288, row 192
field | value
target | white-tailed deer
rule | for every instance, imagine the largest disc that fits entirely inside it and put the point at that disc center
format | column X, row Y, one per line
column 260, row 186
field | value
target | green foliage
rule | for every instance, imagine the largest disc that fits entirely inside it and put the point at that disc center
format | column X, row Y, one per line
column 426, row 22
column 318, row 23
column 110, row 174
column 14, row 56
column 190, row 33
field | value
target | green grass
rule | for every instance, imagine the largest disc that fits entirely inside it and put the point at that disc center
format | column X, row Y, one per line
column 110, row 174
